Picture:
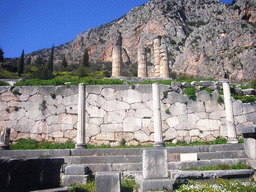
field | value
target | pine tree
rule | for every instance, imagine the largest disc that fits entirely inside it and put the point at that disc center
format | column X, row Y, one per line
column 86, row 59
column 21, row 64
column 1, row 55
column 50, row 62
column 64, row 63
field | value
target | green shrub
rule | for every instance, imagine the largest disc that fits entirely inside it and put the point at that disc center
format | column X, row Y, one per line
column 244, row 99
column 2, row 83
column 190, row 92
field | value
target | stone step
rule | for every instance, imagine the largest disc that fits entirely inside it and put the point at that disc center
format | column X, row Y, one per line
column 103, row 159
column 115, row 151
column 221, row 155
column 132, row 168
column 138, row 151
column 138, row 158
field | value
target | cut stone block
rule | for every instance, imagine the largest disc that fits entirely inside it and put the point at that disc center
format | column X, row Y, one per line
column 68, row 180
column 156, row 184
column 188, row 157
column 155, row 164
column 108, row 181
column 77, row 170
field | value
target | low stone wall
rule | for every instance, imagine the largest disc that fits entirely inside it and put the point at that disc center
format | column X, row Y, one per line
column 116, row 112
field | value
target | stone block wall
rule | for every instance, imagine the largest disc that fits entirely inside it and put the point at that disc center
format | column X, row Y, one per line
column 114, row 112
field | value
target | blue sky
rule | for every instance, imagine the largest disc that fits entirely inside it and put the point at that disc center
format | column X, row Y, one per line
column 36, row 24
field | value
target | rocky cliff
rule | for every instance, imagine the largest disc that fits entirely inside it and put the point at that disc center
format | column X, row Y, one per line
column 205, row 38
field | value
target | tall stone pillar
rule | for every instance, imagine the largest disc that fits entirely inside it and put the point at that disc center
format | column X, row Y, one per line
column 164, row 62
column 157, row 43
column 232, row 138
column 4, row 139
column 142, row 62
column 80, row 143
column 117, row 61
column 157, row 116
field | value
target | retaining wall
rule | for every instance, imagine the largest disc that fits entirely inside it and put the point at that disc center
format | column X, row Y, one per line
column 114, row 112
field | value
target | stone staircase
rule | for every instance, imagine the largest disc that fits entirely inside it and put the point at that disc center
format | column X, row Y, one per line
column 129, row 160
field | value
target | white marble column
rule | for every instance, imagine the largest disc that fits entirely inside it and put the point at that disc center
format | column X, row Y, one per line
column 232, row 138
column 157, row 116
column 80, row 144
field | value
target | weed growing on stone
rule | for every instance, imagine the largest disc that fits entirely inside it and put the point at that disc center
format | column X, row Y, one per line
column 220, row 100
column 42, row 106
column 208, row 90
column 53, row 95
column 16, row 92
column 167, row 111
column 190, row 92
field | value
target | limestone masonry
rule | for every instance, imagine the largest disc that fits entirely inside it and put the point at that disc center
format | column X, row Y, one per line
column 114, row 112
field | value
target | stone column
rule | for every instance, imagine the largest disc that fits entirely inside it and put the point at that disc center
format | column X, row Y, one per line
column 157, row 43
column 157, row 116
column 164, row 62
column 142, row 62
column 80, row 143
column 229, row 112
column 4, row 139
column 117, row 61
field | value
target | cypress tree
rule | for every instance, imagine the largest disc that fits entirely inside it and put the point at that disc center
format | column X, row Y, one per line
column 86, row 59
column 50, row 62
column 1, row 55
column 21, row 64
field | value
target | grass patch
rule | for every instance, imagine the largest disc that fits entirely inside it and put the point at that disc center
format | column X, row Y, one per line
column 217, row 141
column 89, row 187
column 31, row 144
column 56, row 82
column 239, row 165
column 218, row 185
column 127, row 185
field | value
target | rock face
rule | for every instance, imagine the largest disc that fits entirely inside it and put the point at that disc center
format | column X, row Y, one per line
column 204, row 38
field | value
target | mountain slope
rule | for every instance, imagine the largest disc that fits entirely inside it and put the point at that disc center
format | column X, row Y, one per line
column 205, row 38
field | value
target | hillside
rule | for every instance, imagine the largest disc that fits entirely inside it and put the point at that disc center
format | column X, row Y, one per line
column 205, row 38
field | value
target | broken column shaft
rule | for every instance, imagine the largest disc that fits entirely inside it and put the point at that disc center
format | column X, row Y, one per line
column 164, row 63
column 157, row 43
column 117, row 61
column 142, row 62
column 229, row 113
